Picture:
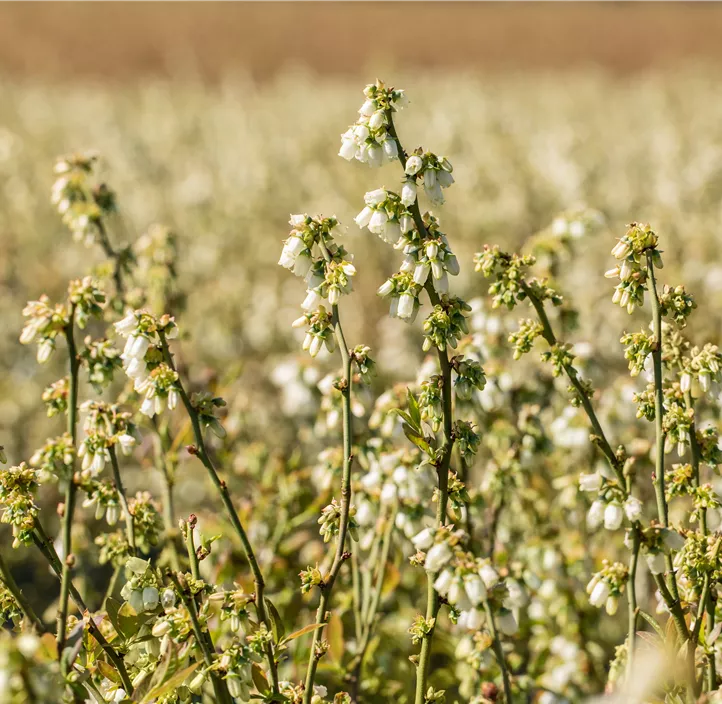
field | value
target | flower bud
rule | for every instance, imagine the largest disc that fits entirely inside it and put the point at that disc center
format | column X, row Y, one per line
column 633, row 508
column 599, row 594
column 377, row 120
column 475, row 589
column 150, row 598
column 423, row 540
column 196, row 684
column 443, row 582
column 488, row 575
column 136, row 601
column 507, row 623
column 161, row 628
column 406, row 305
column 408, row 192
column 656, row 562
column 590, row 482
column 613, row 515
column 364, row 217
column 437, row 557
column 413, row 165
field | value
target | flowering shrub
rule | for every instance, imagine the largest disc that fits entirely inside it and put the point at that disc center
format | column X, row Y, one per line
column 439, row 529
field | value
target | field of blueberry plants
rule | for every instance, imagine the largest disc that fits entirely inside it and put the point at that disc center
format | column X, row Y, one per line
column 316, row 393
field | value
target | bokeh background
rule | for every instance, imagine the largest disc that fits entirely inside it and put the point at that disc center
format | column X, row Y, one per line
column 220, row 119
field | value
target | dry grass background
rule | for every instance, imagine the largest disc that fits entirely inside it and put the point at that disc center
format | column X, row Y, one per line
column 124, row 40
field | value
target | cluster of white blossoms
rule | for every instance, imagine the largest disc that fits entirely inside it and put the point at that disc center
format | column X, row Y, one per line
column 611, row 506
column 143, row 360
column 435, row 172
column 467, row 582
column 368, row 140
column 606, row 586
column 105, row 426
column 141, row 589
column 428, row 256
column 386, row 215
column 311, row 252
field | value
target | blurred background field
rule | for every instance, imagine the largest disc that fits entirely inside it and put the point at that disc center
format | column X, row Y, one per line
column 219, row 120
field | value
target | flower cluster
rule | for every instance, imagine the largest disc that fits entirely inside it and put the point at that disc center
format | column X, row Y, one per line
column 446, row 324
column 45, row 323
column 369, row 140
column 81, row 205
column 143, row 359
column 18, row 486
column 320, row 331
column 607, row 585
column 386, row 214
column 330, row 521
column 435, row 172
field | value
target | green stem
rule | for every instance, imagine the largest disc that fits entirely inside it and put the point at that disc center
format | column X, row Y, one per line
column 573, row 376
column 674, row 607
column 659, row 488
column 47, row 549
column 129, row 521
column 356, row 665
column 204, row 641
column 192, row 554
column 633, row 610
column 701, row 608
column 70, row 492
column 498, row 652
column 341, row 554
column 28, row 612
column 356, row 583
column 658, row 395
column 432, row 598
column 113, row 255
column 225, row 495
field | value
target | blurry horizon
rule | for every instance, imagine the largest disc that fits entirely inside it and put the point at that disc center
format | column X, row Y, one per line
column 124, row 41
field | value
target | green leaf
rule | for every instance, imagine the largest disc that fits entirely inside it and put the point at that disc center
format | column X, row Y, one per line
column 302, row 631
column 170, row 684
column 108, row 671
column 259, row 679
column 413, row 408
column 112, row 606
column 276, row 621
column 417, row 439
column 167, row 667
column 404, row 415
column 652, row 622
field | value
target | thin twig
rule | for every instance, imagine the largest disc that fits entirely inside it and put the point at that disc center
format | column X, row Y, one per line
column 341, row 555
column 71, row 490
column 442, row 470
column 225, row 495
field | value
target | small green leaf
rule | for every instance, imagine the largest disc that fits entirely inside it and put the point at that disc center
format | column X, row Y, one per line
column 173, row 682
column 112, row 606
column 404, row 415
column 108, row 671
column 652, row 622
column 302, row 631
column 413, row 408
column 276, row 621
column 417, row 439
column 259, row 679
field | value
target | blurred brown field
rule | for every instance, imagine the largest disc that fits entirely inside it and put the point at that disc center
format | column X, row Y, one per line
column 122, row 40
